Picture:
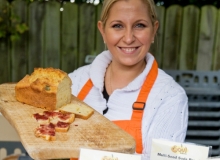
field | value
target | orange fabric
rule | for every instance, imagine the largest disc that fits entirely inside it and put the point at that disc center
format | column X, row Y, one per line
column 151, row 77
column 85, row 90
column 142, row 97
column 133, row 126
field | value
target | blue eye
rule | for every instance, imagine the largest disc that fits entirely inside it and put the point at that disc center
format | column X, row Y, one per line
column 140, row 25
column 117, row 26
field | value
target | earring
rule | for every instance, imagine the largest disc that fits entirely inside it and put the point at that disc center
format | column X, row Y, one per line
column 105, row 46
column 152, row 42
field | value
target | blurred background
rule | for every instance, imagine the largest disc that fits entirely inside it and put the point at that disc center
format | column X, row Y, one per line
column 63, row 34
column 167, row 3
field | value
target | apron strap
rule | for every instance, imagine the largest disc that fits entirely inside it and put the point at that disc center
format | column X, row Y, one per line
column 85, row 90
column 139, row 105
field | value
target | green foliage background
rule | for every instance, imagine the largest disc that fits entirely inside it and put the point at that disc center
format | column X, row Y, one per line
column 11, row 27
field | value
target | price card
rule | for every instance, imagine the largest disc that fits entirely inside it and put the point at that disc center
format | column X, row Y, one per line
column 168, row 150
column 90, row 154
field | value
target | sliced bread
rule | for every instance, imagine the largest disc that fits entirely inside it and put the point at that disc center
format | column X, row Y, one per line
column 80, row 109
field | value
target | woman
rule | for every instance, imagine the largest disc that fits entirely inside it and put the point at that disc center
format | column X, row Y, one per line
column 124, row 82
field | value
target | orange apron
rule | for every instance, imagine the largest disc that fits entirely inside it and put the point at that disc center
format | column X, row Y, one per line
column 133, row 126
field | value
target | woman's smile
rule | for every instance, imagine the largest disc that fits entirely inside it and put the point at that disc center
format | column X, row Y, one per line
column 128, row 50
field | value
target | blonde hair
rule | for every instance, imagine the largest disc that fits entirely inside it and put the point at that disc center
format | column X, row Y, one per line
column 107, row 5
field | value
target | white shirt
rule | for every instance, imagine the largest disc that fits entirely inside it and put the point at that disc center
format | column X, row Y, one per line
column 166, row 111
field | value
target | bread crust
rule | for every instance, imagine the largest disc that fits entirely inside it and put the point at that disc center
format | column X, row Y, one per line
column 41, row 88
column 45, row 137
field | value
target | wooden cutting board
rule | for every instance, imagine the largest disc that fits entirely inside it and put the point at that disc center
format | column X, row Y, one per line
column 97, row 132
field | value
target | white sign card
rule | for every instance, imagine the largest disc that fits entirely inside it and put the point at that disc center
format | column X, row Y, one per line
column 214, row 158
column 169, row 150
column 90, row 154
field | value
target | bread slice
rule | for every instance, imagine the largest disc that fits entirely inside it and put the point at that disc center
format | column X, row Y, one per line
column 63, row 117
column 46, row 131
column 62, row 126
column 51, row 122
column 41, row 118
column 54, row 117
column 80, row 109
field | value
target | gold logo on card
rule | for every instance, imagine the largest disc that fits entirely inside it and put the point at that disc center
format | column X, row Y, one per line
column 109, row 158
column 179, row 149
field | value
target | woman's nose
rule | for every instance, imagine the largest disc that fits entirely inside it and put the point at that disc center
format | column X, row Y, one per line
column 129, row 36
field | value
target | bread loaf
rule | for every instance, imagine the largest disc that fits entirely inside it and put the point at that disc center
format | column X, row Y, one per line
column 46, row 88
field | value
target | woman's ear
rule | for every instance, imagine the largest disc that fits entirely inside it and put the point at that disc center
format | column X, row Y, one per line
column 156, row 26
column 101, row 29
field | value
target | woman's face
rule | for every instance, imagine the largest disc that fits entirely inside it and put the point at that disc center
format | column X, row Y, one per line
column 128, row 32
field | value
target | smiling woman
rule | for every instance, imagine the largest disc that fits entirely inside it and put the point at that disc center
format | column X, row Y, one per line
column 128, row 37
column 124, row 82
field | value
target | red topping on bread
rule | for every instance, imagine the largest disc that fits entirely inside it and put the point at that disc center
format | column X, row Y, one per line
column 48, row 113
column 41, row 118
column 38, row 116
column 51, row 122
column 46, row 132
column 62, row 126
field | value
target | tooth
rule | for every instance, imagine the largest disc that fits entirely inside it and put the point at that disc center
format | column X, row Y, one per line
column 128, row 49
